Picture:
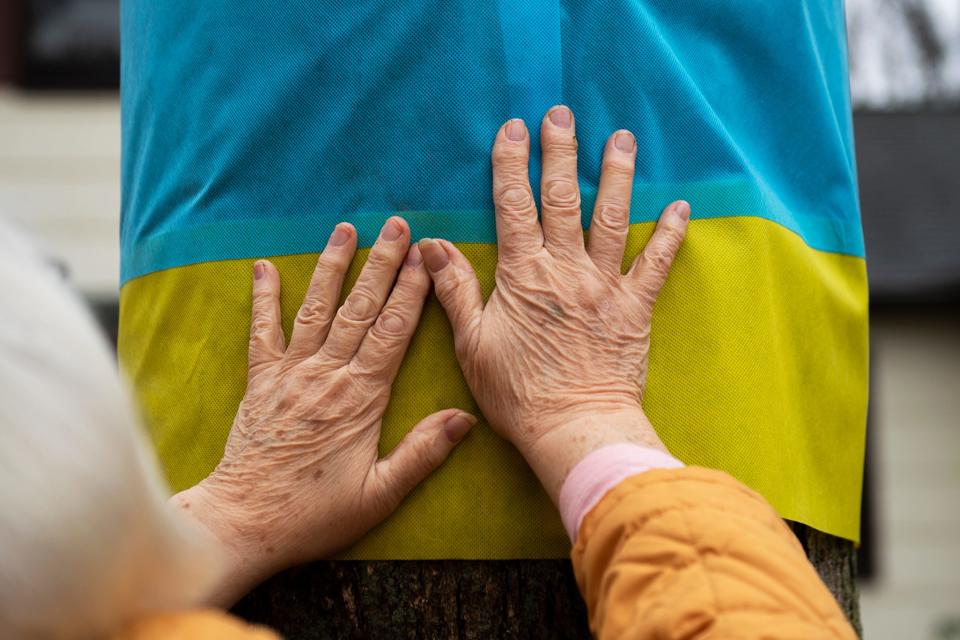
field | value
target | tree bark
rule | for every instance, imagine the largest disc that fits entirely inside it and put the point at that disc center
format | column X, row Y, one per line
column 467, row 599
column 836, row 562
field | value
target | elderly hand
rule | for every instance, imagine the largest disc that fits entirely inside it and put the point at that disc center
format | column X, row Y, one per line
column 557, row 358
column 300, row 477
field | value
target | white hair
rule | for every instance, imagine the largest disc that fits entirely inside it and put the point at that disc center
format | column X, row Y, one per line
column 87, row 540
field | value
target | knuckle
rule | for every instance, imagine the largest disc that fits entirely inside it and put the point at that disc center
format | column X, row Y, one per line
column 355, row 373
column 262, row 298
column 509, row 156
column 257, row 342
column 328, row 264
column 449, row 287
column 519, row 273
column 423, row 451
column 260, row 325
column 380, row 259
column 647, row 296
column 390, row 327
column 658, row 259
column 514, row 199
column 617, row 167
column 611, row 216
column 361, row 384
column 327, row 268
column 260, row 345
column 313, row 313
column 408, row 289
column 360, row 306
column 363, row 375
column 562, row 193
column 293, row 388
column 672, row 237
column 560, row 145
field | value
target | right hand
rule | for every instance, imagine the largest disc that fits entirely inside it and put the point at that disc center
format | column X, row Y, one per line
column 557, row 358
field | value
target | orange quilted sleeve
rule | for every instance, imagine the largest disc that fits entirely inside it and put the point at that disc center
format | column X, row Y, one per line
column 692, row 553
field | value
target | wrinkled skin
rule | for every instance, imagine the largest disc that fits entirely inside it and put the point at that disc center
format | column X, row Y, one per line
column 300, row 477
column 557, row 358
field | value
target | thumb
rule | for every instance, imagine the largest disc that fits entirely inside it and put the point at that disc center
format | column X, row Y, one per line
column 419, row 453
column 458, row 290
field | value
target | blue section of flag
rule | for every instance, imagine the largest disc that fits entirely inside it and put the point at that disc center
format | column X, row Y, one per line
column 250, row 128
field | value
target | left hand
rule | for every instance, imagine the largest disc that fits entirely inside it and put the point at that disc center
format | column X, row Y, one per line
column 300, row 478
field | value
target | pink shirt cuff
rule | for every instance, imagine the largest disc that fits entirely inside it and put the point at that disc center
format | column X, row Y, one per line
column 599, row 472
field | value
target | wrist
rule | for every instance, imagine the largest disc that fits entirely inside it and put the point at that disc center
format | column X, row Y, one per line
column 244, row 566
column 567, row 438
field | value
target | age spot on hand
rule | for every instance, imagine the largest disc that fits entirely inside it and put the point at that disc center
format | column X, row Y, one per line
column 554, row 307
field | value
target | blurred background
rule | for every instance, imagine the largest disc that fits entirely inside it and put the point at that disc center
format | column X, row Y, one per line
column 59, row 180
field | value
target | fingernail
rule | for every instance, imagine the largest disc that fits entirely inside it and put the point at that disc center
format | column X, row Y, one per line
column 516, row 130
column 258, row 270
column 391, row 230
column 456, row 427
column 561, row 116
column 682, row 209
column 414, row 258
column 434, row 255
column 624, row 141
column 339, row 236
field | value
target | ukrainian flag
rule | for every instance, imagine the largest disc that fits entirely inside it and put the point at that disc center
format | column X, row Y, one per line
column 251, row 128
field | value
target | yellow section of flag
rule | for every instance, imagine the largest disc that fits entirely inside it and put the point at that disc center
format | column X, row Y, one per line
column 758, row 366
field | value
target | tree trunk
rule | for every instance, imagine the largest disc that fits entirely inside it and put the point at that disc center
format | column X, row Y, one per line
column 836, row 562
column 467, row 598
